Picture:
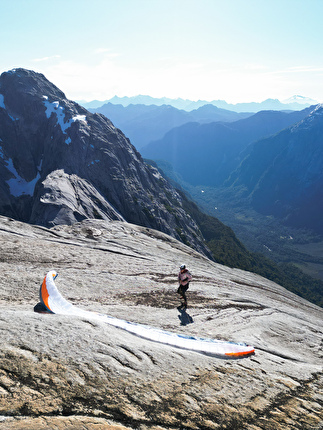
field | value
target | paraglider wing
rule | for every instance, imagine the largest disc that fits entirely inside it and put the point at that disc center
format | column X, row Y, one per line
column 51, row 298
column 55, row 303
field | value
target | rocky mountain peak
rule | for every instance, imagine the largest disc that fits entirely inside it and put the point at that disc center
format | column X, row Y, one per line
column 27, row 81
column 19, row 86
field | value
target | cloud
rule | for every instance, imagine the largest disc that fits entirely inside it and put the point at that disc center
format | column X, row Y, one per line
column 298, row 69
column 105, row 74
column 52, row 57
column 101, row 50
column 306, row 69
column 107, row 52
column 255, row 67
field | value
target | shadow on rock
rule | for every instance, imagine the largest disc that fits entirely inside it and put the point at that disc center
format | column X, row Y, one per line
column 184, row 317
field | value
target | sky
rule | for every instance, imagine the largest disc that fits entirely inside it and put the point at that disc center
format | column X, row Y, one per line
column 232, row 50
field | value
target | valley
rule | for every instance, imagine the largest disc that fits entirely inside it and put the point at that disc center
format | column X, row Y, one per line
column 314, row 266
column 263, row 234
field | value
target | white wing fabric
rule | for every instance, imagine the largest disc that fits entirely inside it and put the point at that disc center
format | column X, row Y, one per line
column 55, row 303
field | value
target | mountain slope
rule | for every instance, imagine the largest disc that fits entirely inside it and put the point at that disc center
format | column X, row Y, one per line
column 206, row 154
column 283, row 174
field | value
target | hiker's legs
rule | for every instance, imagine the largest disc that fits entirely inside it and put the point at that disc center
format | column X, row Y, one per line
column 181, row 291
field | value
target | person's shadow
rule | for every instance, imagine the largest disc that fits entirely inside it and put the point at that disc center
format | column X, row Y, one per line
column 184, row 317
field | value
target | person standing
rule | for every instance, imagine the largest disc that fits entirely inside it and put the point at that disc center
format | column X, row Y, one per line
column 184, row 278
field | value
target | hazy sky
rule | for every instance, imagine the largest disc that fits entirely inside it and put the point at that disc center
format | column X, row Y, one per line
column 234, row 50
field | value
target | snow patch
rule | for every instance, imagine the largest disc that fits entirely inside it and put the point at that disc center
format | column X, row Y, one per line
column 56, row 109
column 157, row 175
column 79, row 118
column 18, row 185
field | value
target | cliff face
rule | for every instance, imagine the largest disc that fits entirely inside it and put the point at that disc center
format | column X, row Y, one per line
column 60, row 164
column 63, row 372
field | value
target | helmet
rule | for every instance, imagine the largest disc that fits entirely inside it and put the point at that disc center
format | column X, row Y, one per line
column 182, row 266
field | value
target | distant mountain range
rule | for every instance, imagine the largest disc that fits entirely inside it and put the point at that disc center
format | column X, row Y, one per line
column 144, row 119
column 206, row 154
column 206, row 142
column 146, row 123
column 293, row 103
column 276, row 158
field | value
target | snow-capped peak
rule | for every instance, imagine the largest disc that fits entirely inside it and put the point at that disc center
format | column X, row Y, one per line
column 300, row 100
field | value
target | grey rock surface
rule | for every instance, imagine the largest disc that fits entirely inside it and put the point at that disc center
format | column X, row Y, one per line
column 64, row 372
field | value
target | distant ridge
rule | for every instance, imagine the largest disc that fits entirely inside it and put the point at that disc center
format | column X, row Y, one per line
column 296, row 102
column 215, row 149
column 146, row 123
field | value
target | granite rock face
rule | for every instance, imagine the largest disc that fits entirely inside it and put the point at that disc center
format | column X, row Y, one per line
column 60, row 163
column 67, row 372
